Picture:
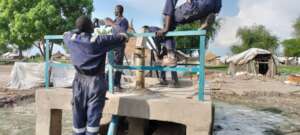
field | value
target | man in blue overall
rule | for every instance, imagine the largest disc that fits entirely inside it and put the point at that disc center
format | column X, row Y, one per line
column 161, row 53
column 190, row 11
column 119, row 25
column 88, row 54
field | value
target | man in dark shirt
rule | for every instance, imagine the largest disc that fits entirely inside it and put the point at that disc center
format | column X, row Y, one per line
column 191, row 10
column 120, row 24
column 161, row 53
column 88, row 54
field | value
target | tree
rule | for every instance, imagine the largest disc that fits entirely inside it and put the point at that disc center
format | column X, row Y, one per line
column 26, row 22
column 193, row 41
column 292, row 47
column 256, row 36
column 296, row 27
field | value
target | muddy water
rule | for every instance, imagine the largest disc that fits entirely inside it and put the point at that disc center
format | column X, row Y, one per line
column 229, row 120
column 20, row 120
column 239, row 120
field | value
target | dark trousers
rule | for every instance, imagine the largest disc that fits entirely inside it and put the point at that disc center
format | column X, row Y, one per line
column 196, row 10
column 87, row 104
column 119, row 54
column 169, row 47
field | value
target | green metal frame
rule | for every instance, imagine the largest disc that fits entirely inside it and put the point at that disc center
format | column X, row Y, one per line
column 200, row 69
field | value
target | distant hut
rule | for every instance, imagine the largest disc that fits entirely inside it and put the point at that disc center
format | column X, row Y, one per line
column 254, row 61
column 212, row 59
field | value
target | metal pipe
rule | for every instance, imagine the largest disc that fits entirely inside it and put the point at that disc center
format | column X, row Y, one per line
column 47, row 65
column 112, row 129
column 202, row 68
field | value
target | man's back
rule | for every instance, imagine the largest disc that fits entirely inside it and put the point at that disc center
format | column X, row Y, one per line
column 89, row 53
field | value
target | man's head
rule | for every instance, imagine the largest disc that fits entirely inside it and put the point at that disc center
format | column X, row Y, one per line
column 84, row 24
column 119, row 11
column 146, row 28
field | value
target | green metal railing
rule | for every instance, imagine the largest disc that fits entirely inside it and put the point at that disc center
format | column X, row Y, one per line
column 200, row 69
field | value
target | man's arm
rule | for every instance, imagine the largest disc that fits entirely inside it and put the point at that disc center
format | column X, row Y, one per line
column 168, row 12
column 109, row 42
column 121, row 27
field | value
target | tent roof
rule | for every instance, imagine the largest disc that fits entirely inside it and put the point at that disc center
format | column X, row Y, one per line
column 247, row 56
column 210, row 56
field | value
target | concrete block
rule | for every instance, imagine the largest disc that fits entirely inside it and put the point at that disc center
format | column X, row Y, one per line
column 195, row 115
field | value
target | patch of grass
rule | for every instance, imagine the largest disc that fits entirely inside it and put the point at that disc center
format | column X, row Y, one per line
column 222, row 68
column 272, row 110
column 287, row 70
column 35, row 59
column 4, row 62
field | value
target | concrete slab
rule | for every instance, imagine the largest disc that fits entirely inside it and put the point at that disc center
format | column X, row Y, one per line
column 195, row 115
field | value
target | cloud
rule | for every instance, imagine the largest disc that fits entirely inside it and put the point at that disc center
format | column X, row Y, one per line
column 277, row 15
column 147, row 6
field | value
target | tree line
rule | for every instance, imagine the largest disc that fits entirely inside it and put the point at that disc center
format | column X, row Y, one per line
column 24, row 23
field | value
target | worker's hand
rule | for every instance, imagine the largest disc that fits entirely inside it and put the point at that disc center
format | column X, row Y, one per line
column 109, row 22
column 125, row 36
column 161, row 33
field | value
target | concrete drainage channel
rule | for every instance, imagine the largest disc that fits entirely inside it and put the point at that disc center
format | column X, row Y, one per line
column 229, row 120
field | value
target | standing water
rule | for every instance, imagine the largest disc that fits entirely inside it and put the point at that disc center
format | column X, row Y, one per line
column 229, row 120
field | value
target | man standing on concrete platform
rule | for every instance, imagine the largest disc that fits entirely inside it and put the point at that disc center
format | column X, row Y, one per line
column 120, row 24
column 88, row 54
column 190, row 11
column 161, row 53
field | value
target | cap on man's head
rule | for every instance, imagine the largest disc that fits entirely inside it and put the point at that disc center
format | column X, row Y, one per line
column 84, row 24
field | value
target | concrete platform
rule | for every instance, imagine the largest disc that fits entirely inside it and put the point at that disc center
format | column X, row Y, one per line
column 156, row 105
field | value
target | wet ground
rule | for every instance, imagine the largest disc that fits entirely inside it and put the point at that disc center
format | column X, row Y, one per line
column 229, row 120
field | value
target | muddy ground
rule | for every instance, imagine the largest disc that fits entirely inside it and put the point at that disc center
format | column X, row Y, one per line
column 258, row 92
column 9, row 98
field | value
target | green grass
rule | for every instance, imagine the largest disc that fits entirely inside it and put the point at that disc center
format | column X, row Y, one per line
column 35, row 59
column 221, row 68
column 287, row 70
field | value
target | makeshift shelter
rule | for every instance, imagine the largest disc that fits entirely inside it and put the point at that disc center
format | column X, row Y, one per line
column 25, row 76
column 212, row 59
column 254, row 61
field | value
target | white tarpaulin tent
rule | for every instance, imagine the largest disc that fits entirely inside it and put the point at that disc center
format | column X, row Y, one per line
column 246, row 56
column 25, row 76
column 254, row 61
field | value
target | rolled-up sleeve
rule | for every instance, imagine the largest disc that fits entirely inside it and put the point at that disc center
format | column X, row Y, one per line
column 169, row 8
column 109, row 42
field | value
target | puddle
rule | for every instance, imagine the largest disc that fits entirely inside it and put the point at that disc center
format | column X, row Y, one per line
column 229, row 120
column 239, row 120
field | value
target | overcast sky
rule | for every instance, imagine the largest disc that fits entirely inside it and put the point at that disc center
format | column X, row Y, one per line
column 277, row 15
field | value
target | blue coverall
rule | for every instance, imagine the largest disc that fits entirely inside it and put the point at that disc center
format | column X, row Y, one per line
column 88, row 56
column 189, row 12
column 119, row 53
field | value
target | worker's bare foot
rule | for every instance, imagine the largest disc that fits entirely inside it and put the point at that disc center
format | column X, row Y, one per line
column 169, row 61
column 209, row 20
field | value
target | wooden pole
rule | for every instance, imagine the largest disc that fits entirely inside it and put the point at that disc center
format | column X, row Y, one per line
column 140, row 61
